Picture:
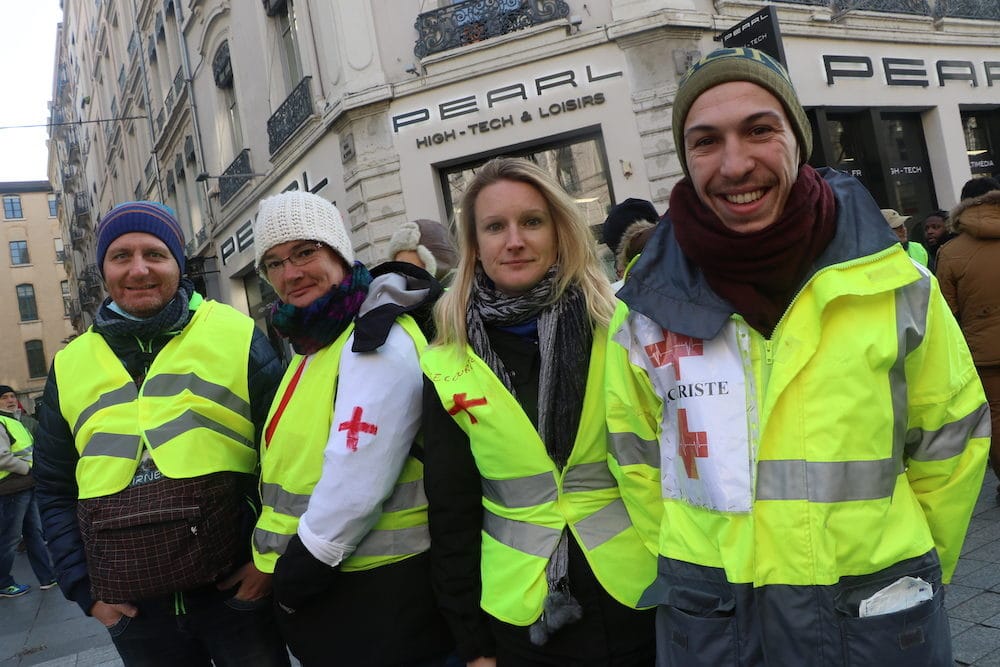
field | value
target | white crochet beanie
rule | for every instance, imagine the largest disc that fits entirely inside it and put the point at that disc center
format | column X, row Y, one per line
column 300, row 216
column 431, row 241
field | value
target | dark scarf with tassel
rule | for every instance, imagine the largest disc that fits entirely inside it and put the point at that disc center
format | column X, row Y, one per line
column 565, row 336
column 759, row 272
column 315, row 326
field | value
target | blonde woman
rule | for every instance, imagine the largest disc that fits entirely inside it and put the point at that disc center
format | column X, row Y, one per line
column 534, row 559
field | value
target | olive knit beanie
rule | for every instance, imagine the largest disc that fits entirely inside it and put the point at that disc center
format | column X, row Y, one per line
column 739, row 64
column 299, row 216
column 141, row 216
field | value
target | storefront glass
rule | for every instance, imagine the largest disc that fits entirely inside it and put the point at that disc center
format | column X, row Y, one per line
column 982, row 140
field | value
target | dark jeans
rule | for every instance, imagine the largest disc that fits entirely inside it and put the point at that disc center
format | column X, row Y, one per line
column 215, row 629
column 19, row 517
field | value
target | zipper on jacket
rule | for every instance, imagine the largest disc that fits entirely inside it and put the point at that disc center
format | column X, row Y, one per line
column 768, row 351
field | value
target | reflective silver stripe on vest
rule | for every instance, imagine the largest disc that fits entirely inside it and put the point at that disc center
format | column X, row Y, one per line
column 265, row 541
column 588, row 477
column 525, row 537
column 173, row 384
column 521, row 491
column 827, row 481
column 950, row 439
column 629, row 449
column 282, row 501
column 117, row 445
column 188, row 421
column 120, row 396
column 912, row 302
column 400, row 542
column 405, row 496
column 604, row 524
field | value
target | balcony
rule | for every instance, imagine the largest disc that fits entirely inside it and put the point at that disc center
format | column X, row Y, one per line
column 290, row 116
column 918, row 7
column 91, row 277
column 967, row 9
column 235, row 176
column 81, row 204
column 77, row 235
column 475, row 20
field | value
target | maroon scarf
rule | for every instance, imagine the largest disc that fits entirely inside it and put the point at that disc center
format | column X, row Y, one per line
column 757, row 272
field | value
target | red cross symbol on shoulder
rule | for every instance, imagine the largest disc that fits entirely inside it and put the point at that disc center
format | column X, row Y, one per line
column 672, row 348
column 462, row 404
column 356, row 426
column 693, row 444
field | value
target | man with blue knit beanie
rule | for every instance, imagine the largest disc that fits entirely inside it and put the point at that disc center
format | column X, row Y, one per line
column 146, row 458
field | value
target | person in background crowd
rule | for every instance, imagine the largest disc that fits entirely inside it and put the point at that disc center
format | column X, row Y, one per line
column 535, row 560
column 804, row 469
column 427, row 244
column 897, row 223
column 625, row 231
column 18, row 509
column 968, row 269
column 146, row 458
column 344, row 523
column 936, row 234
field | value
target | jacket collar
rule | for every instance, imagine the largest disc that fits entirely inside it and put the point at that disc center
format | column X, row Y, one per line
column 669, row 289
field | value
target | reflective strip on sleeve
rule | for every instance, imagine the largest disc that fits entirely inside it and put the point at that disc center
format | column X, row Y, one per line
column 117, row 445
column 122, row 395
column 400, row 542
column 521, row 491
column 282, row 501
column 524, row 537
column 826, row 481
column 266, row 541
column 189, row 421
column 912, row 302
column 949, row 440
column 629, row 449
column 603, row 525
column 173, row 384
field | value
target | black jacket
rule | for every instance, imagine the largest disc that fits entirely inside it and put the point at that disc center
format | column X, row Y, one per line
column 56, row 457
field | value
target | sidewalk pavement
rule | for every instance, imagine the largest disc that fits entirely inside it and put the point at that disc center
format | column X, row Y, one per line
column 42, row 628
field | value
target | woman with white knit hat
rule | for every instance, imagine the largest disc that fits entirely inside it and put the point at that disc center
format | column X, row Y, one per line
column 344, row 520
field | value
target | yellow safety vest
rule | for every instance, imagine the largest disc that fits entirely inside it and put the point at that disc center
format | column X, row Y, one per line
column 292, row 460
column 528, row 502
column 21, row 443
column 844, row 447
column 192, row 412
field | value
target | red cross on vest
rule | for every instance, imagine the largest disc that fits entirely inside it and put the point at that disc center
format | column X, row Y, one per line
column 693, row 444
column 672, row 348
column 356, row 426
column 462, row 405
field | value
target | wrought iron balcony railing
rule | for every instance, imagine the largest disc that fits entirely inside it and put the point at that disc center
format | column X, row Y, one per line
column 81, row 204
column 290, row 116
column 235, row 176
column 475, row 20
column 919, row 7
column 77, row 235
column 968, row 9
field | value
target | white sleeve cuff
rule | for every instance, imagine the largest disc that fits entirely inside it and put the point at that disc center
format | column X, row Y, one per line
column 330, row 553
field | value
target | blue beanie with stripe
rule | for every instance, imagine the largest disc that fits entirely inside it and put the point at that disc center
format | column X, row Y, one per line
column 141, row 216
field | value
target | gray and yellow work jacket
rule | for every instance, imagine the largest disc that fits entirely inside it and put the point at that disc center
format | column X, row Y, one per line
column 785, row 480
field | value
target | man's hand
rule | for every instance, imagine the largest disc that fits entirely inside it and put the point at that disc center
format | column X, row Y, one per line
column 482, row 662
column 109, row 614
column 253, row 583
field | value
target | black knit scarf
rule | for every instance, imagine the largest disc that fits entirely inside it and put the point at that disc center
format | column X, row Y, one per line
column 315, row 326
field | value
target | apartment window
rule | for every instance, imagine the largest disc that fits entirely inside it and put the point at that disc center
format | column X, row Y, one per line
column 222, row 70
column 12, row 207
column 34, row 350
column 26, row 302
column 64, row 286
column 19, row 253
column 60, row 249
column 290, row 61
column 53, row 205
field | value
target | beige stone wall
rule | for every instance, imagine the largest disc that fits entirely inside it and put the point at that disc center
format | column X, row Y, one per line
column 44, row 273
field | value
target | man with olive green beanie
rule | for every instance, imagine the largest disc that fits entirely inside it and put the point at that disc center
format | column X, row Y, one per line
column 789, row 397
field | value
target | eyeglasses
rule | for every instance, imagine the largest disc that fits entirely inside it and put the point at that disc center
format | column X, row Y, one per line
column 300, row 256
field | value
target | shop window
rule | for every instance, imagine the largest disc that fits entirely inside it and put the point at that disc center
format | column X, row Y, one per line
column 909, row 180
column 982, row 141
column 579, row 163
